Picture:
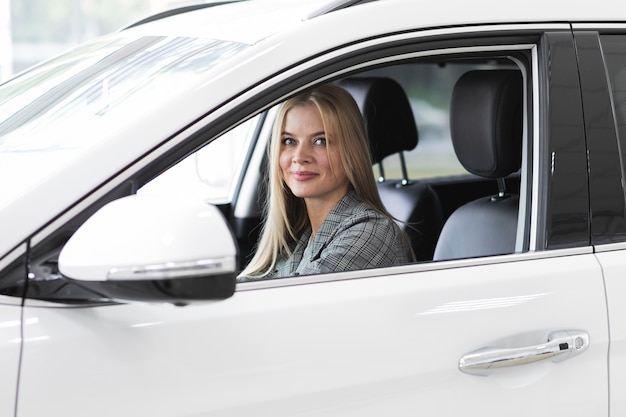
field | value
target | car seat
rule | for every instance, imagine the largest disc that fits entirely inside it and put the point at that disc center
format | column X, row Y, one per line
column 391, row 129
column 486, row 128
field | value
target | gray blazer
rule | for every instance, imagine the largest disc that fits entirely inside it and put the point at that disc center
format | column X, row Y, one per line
column 353, row 236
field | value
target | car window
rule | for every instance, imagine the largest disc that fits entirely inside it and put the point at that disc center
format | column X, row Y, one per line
column 614, row 51
column 607, row 149
column 438, row 185
column 210, row 172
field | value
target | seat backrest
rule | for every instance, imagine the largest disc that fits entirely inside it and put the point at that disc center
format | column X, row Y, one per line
column 391, row 129
column 388, row 116
column 486, row 128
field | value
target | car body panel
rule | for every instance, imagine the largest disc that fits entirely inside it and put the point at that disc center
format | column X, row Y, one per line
column 392, row 343
column 374, row 17
column 611, row 257
column 10, row 346
column 247, row 22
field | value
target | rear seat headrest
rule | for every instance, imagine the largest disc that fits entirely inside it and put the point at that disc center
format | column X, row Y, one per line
column 388, row 116
column 486, row 122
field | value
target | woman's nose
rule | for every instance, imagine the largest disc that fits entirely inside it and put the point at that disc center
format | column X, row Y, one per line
column 301, row 154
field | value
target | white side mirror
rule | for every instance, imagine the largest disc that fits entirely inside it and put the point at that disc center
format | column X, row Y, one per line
column 151, row 238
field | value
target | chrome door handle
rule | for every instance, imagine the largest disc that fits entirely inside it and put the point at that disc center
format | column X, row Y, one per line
column 561, row 345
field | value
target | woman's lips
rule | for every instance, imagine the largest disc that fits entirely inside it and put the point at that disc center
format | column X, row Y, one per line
column 303, row 175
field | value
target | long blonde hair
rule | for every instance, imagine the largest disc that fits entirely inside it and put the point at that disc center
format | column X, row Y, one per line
column 286, row 215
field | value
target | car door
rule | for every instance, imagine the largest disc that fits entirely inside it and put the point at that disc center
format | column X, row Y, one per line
column 502, row 334
column 602, row 54
column 10, row 331
column 359, row 346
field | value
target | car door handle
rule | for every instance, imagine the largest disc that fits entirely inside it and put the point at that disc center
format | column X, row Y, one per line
column 561, row 345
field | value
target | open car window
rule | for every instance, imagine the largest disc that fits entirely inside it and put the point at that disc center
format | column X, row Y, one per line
column 422, row 195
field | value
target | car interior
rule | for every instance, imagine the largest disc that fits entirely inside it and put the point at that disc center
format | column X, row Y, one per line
column 467, row 208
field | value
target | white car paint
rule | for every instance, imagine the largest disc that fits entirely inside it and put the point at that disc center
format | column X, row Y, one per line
column 163, row 227
column 10, row 351
column 391, row 344
column 611, row 257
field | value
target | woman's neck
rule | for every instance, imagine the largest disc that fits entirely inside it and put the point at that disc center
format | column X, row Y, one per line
column 318, row 209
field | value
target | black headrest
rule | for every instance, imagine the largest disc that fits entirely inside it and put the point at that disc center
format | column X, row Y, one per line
column 388, row 116
column 486, row 122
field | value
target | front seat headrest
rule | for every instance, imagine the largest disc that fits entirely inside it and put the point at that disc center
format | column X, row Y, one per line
column 486, row 122
column 388, row 116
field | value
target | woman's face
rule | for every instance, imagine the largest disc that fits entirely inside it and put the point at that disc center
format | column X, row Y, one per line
column 309, row 163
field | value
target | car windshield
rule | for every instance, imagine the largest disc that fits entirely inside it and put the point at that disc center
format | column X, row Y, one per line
column 58, row 109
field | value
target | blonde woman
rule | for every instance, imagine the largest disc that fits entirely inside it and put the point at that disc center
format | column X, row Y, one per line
column 323, row 211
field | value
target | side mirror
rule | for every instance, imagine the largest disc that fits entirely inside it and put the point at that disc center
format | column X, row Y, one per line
column 149, row 248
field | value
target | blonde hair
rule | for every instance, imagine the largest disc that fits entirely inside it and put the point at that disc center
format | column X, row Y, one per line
column 286, row 215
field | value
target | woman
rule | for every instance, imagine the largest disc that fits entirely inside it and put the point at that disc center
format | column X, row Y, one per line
column 324, row 213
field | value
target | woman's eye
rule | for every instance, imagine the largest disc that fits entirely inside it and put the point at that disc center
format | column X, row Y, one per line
column 320, row 141
column 288, row 141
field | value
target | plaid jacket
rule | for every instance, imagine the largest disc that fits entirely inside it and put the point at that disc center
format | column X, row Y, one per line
column 353, row 236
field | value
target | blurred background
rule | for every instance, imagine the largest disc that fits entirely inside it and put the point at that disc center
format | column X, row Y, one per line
column 34, row 30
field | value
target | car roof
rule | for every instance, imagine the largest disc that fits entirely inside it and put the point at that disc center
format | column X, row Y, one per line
column 250, row 21
column 246, row 21
column 328, row 6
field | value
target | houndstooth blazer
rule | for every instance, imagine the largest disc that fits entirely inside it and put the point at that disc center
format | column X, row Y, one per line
column 353, row 236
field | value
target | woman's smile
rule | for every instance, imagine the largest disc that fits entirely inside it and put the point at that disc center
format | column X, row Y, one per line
column 303, row 175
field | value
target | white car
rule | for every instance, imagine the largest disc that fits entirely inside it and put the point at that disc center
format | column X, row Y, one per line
column 131, row 192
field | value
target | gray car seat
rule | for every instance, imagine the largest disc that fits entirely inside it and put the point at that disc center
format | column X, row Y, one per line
column 486, row 129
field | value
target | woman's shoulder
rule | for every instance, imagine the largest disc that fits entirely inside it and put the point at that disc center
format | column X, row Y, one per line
column 353, row 211
column 362, row 225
